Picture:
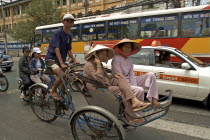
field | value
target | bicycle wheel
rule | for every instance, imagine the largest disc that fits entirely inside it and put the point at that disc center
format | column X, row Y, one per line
column 93, row 125
column 4, row 84
column 43, row 105
column 70, row 79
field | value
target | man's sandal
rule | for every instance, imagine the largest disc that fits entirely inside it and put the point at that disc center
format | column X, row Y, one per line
column 55, row 96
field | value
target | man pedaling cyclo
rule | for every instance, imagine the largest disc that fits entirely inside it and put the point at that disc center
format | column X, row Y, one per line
column 60, row 46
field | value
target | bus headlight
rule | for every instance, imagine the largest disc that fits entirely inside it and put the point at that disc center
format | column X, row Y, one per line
column 45, row 48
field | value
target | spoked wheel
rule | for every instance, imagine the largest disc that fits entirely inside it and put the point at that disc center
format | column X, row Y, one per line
column 92, row 125
column 70, row 79
column 42, row 104
column 4, row 84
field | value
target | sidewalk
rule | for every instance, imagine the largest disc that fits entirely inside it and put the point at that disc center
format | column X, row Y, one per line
column 16, row 58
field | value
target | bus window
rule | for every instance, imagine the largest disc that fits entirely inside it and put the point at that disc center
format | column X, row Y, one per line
column 37, row 40
column 130, row 28
column 93, row 31
column 159, row 27
column 114, row 29
column 47, row 35
column 75, row 32
column 195, row 25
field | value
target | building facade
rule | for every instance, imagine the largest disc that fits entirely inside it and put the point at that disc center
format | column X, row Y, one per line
column 14, row 10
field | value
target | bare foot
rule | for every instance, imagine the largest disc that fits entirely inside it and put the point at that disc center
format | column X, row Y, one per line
column 136, row 103
column 55, row 95
column 155, row 104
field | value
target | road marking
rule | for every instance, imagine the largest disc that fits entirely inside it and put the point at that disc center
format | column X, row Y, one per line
column 190, row 109
column 180, row 128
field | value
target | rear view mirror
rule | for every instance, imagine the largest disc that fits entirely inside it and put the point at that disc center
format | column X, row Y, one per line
column 185, row 66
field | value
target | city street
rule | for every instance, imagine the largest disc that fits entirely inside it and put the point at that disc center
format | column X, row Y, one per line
column 186, row 120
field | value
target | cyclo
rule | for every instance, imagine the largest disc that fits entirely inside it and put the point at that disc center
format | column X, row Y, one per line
column 97, row 120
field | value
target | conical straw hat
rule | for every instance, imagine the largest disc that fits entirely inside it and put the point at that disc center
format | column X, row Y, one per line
column 98, row 47
column 136, row 46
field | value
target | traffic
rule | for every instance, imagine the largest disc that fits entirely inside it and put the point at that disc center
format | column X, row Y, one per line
column 186, row 76
column 125, row 68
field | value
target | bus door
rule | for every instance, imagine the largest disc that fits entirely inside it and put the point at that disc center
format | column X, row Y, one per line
column 37, row 39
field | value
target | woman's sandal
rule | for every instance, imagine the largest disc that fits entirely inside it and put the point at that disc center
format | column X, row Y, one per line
column 136, row 121
column 140, row 108
column 162, row 104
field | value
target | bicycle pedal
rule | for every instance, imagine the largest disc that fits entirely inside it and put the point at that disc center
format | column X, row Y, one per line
column 63, row 106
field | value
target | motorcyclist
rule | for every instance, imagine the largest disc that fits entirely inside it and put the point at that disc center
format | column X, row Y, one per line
column 24, row 71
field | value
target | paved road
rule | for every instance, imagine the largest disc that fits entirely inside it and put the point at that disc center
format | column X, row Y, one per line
column 186, row 120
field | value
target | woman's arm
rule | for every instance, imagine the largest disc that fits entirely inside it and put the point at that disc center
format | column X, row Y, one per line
column 132, row 79
column 96, row 74
column 32, row 66
column 116, row 66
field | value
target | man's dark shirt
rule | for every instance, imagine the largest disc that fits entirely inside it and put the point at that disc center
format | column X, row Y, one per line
column 62, row 41
column 24, row 66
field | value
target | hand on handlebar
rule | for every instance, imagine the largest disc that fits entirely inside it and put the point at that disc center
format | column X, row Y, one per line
column 75, row 62
column 64, row 66
column 39, row 69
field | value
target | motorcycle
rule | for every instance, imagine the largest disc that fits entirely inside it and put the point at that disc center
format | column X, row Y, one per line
column 4, row 83
column 21, row 88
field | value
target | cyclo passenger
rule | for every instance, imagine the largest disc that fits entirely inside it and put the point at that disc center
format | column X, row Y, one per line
column 59, row 47
column 93, row 69
column 37, row 66
column 123, row 64
column 24, row 71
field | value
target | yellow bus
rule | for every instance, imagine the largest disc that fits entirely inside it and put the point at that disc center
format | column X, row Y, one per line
column 187, row 29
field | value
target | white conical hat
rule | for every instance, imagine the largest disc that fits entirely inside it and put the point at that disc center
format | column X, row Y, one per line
column 98, row 47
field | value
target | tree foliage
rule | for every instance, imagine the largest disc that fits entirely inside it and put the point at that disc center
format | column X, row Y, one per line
column 38, row 13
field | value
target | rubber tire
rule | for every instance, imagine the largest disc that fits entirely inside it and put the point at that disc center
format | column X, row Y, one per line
column 73, row 87
column 74, row 121
column 31, row 95
column 8, row 69
column 70, row 80
column 208, row 102
column 6, row 83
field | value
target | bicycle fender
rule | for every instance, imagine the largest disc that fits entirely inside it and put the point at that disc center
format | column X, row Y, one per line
column 40, row 84
column 103, row 111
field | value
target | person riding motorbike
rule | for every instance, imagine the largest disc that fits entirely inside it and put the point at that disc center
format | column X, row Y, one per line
column 24, row 71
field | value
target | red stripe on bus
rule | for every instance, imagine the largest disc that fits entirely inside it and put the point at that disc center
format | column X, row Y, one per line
column 171, row 42
column 206, row 8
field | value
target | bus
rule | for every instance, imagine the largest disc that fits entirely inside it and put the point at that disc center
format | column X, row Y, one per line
column 187, row 29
